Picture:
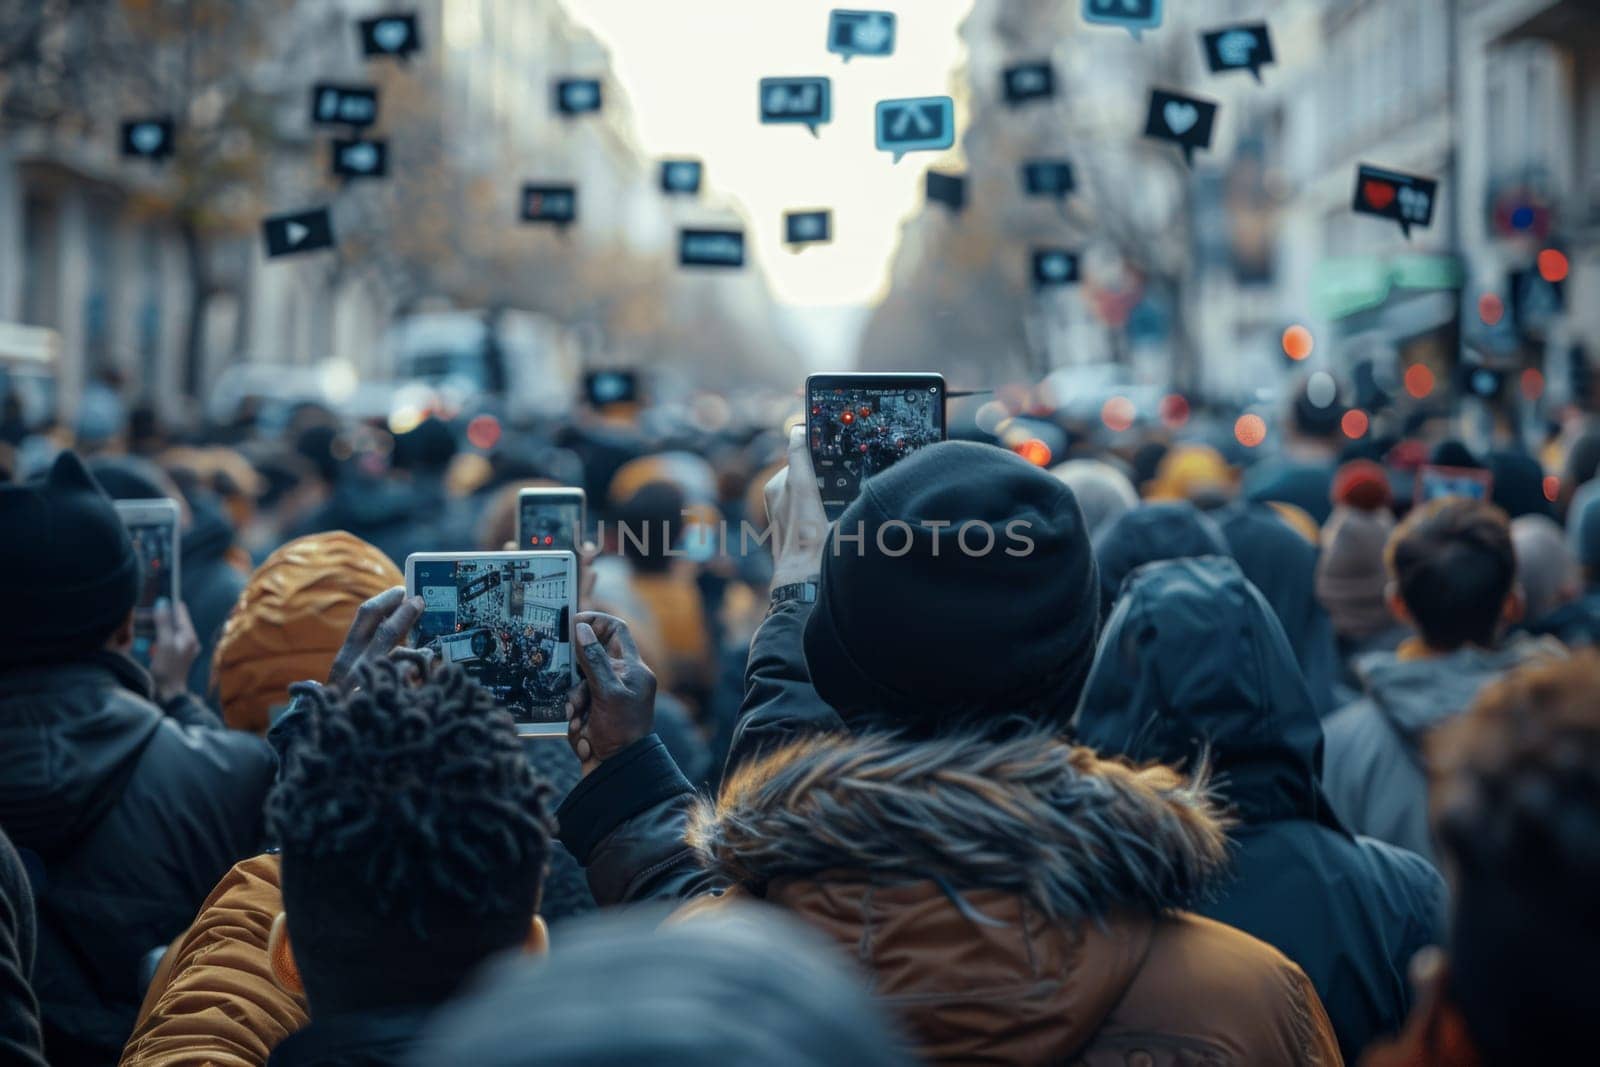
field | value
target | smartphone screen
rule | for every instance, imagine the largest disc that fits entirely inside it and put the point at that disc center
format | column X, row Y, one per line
column 860, row 424
column 550, row 519
column 1436, row 482
column 153, row 528
column 504, row 618
column 602, row 388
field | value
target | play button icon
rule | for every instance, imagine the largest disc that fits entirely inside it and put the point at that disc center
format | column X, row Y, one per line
column 300, row 231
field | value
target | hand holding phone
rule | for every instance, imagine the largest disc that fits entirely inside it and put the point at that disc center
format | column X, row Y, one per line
column 795, row 514
column 614, row 704
column 174, row 650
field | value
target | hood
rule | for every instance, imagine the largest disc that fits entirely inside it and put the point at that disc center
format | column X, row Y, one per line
column 1194, row 660
column 1416, row 694
column 1077, row 835
column 1171, row 530
column 209, row 535
column 72, row 736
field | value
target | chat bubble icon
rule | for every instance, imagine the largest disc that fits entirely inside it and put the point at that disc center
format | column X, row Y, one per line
column 1186, row 121
column 860, row 33
column 804, row 102
column 297, row 231
column 577, row 96
column 1407, row 199
column 392, row 35
column 549, row 204
column 915, row 124
column 1054, row 266
column 801, row 228
column 681, row 177
column 1048, row 177
column 1239, row 48
column 711, row 248
column 343, row 105
column 1024, row 83
column 149, row 138
column 948, row 189
column 356, row 158
column 1135, row 16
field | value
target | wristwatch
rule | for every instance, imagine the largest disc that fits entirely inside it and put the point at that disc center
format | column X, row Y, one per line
column 804, row 592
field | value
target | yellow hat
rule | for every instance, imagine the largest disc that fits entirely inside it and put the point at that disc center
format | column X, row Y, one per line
column 1190, row 470
column 291, row 619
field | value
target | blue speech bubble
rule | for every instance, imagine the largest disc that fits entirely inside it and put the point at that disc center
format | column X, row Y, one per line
column 915, row 124
column 804, row 102
column 1135, row 16
column 860, row 33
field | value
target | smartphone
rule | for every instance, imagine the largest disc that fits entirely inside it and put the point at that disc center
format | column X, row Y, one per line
column 1435, row 482
column 153, row 526
column 860, row 424
column 550, row 519
column 505, row 618
column 605, row 388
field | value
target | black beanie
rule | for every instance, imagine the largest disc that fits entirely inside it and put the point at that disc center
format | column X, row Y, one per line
column 909, row 628
column 1174, row 529
column 73, row 574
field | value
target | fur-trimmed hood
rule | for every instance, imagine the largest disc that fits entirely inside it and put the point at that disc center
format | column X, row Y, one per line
column 1076, row 835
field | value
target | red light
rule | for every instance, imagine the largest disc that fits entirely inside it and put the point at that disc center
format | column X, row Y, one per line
column 848, row 417
column 1552, row 487
column 1533, row 383
column 1553, row 266
column 1034, row 451
column 1250, row 430
column 1174, row 410
column 1419, row 380
column 1491, row 309
column 1354, row 424
column 484, row 432
column 1297, row 342
column 1117, row 413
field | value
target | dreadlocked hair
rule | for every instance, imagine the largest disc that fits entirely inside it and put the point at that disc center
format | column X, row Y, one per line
column 412, row 804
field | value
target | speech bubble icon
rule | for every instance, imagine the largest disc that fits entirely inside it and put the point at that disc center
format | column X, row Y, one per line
column 948, row 189
column 299, row 231
column 1406, row 199
column 577, row 96
column 860, row 33
column 343, row 105
column 1185, row 121
column 149, row 138
column 549, row 204
column 915, row 124
column 354, row 159
column 1025, row 82
column 1054, row 266
column 1246, row 47
column 711, row 248
column 680, row 177
column 804, row 102
column 1048, row 177
column 389, row 35
column 801, row 228
column 1135, row 16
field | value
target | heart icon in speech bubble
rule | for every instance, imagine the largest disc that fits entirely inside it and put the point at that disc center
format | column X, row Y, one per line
column 390, row 34
column 1180, row 117
column 1379, row 194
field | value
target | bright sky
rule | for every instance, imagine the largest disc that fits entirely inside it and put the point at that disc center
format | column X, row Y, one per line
column 691, row 69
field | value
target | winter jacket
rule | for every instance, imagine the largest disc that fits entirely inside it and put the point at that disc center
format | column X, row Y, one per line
column 1575, row 624
column 373, row 1039
column 1005, row 897
column 209, row 582
column 21, row 1038
column 1307, row 484
column 1193, row 660
column 1373, row 768
column 133, row 815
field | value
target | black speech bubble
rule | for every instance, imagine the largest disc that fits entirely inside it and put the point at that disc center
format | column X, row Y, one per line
column 343, row 105
column 678, row 168
column 948, row 189
column 549, row 204
column 806, row 101
column 298, row 231
column 1186, row 121
column 802, row 228
column 1407, row 199
column 577, row 96
column 153, row 138
column 354, row 158
column 711, row 248
column 1055, row 266
column 1025, row 82
column 846, row 30
column 1048, row 177
column 389, row 35
column 1245, row 47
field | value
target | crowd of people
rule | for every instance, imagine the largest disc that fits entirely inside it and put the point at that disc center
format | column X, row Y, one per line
column 1148, row 757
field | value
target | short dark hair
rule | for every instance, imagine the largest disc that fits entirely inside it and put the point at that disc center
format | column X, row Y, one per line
column 1516, row 808
column 1454, row 565
column 415, row 839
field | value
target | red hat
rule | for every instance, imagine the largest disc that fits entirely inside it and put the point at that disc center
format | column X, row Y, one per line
column 1362, row 484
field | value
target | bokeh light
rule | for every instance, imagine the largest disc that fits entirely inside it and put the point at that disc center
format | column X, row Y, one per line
column 1250, row 430
column 1354, row 423
column 1321, row 389
column 1491, row 309
column 1553, row 266
column 1552, row 487
column 1298, row 342
column 1419, row 380
column 1532, row 383
column 484, row 432
column 1174, row 410
column 1117, row 413
column 1034, row 451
